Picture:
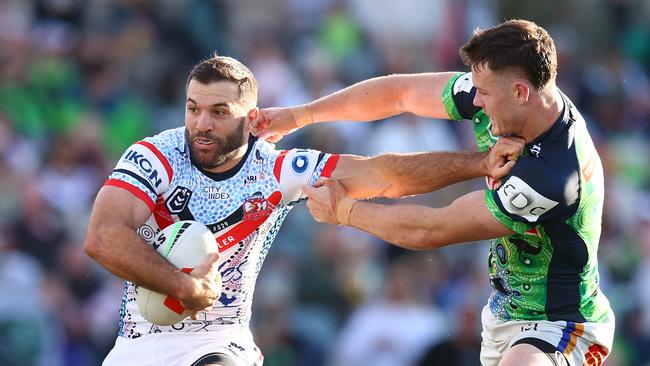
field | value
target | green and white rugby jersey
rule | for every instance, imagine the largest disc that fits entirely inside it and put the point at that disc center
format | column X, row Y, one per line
column 553, row 200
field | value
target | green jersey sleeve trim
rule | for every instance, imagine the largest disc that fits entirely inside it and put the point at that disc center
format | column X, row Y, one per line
column 448, row 100
column 516, row 226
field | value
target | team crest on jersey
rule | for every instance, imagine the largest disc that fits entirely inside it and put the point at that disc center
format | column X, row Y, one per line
column 178, row 200
column 256, row 207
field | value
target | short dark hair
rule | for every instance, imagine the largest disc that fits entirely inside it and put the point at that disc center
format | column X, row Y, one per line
column 516, row 44
column 223, row 68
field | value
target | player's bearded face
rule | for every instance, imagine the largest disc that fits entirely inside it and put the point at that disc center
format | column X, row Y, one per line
column 221, row 150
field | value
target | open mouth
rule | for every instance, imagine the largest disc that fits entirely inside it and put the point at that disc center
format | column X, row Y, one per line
column 203, row 142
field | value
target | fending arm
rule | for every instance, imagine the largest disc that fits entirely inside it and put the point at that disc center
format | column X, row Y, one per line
column 383, row 97
column 419, row 227
column 368, row 100
column 398, row 175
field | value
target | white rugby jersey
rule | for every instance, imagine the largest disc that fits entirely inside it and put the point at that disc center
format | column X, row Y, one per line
column 243, row 207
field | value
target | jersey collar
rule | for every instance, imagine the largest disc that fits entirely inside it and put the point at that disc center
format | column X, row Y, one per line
column 234, row 170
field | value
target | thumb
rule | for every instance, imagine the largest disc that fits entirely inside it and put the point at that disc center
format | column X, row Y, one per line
column 308, row 190
column 212, row 259
column 331, row 184
column 504, row 170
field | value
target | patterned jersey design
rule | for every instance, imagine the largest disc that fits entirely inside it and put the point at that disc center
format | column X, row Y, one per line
column 553, row 200
column 243, row 207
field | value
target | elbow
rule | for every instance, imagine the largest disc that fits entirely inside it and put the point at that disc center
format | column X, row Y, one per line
column 91, row 248
column 93, row 245
column 425, row 239
column 392, row 191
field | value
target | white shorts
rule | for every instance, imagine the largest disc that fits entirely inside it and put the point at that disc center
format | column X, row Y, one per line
column 580, row 343
column 183, row 349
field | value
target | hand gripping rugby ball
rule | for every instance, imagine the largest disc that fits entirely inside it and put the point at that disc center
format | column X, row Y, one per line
column 186, row 244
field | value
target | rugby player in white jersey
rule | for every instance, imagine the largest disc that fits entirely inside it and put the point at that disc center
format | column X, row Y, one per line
column 213, row 171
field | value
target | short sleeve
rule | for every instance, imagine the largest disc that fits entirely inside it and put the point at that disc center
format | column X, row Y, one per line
column 458, row 97
column 144, row 171
column 533, row 194
column 296, row 167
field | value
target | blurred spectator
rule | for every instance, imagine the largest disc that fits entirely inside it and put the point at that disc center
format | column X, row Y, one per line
column 392, row 330
column 462, row 348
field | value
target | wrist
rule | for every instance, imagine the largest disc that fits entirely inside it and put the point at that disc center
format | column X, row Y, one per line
column 184, row 285
column 344, row 210
column 483, row 164
column 302, row 114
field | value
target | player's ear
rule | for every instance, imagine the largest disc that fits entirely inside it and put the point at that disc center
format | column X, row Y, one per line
column 522, row 91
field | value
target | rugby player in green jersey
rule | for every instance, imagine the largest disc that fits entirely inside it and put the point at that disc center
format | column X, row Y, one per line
column 546, row 307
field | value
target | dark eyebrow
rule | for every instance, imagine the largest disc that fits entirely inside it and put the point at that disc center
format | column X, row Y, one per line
column 214, row 105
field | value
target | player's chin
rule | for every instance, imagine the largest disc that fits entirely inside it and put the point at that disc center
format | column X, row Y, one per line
column 205, row 159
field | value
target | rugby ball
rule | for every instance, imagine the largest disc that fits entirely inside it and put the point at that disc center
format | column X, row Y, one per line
column 186, row 244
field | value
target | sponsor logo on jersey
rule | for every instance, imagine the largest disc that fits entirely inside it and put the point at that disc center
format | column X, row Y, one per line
column 259, row 159
column 214, row 193
column 518, row 198
column 144, row 166
column 250, row 179
column 256, row 207
column 299, row 164
column 463, row 84
column 178, row 200
column 536, row 149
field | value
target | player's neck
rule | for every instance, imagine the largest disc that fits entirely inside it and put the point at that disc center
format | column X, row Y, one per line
column 544, row 112
column 236, row 158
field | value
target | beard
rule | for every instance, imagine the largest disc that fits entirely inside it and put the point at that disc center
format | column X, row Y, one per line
column 224, row 150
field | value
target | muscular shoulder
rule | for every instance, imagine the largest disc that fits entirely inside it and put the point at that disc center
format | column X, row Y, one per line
column 170, row 143
column 147, row 167
column 539, row 190
column 296, row 167
column 458, row 97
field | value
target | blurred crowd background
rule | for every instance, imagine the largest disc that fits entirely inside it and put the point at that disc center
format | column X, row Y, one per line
column 82, row 80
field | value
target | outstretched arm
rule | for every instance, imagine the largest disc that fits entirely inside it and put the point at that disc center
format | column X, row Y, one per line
column 409, row 226
column 398, row 175
column 367, row 100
